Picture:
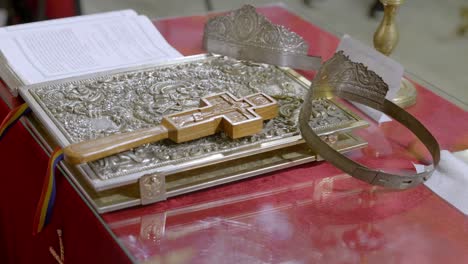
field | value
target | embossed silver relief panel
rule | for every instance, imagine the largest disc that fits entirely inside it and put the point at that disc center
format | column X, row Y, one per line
column 246, row 27
column 122, row 102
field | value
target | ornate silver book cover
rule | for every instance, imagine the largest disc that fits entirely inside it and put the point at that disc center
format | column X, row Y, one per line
column 98, row 105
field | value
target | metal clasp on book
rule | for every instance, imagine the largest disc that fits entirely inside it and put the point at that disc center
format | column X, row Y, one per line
column 152, row 188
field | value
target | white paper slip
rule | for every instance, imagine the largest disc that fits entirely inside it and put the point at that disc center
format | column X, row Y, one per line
column 450, row 180
column 390, row 70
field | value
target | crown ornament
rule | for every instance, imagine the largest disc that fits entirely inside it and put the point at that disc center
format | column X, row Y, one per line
column 339, row 76
column 246, row 35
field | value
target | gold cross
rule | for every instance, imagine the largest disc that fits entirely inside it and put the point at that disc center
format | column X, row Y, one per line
column 220, row 112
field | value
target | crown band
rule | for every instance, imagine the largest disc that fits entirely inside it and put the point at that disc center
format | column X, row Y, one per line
column 354, row 85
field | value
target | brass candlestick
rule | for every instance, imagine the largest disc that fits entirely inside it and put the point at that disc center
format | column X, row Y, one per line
column 385, row 40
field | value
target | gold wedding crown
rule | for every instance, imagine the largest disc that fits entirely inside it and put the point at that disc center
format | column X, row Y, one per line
column 339, row 76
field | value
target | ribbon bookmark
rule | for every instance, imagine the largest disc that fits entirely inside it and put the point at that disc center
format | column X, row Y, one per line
column 14, row 115
column 47, row 199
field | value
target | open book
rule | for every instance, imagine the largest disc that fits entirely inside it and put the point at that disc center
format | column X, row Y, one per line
column 68, row 47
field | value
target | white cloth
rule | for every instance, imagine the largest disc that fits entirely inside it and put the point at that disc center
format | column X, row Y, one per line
column 450, row 180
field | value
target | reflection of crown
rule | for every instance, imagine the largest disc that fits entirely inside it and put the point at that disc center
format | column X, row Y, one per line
column 350, row 80
column 244, row 34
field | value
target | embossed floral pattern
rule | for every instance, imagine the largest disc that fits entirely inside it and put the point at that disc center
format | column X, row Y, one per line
column 117, row 103
column 245, row 27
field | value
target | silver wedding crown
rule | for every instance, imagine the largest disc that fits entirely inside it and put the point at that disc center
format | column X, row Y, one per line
column 246, row 35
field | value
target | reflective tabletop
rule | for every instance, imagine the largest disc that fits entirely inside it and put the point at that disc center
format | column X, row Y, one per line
column 311, row 213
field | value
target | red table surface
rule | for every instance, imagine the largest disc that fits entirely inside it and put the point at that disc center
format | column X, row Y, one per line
column 23, row 164
column 306, row 214
column 310, row 213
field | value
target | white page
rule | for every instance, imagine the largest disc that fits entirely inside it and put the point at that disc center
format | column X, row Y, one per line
column 68, row 20
column 65, row 50
column 387, row 68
